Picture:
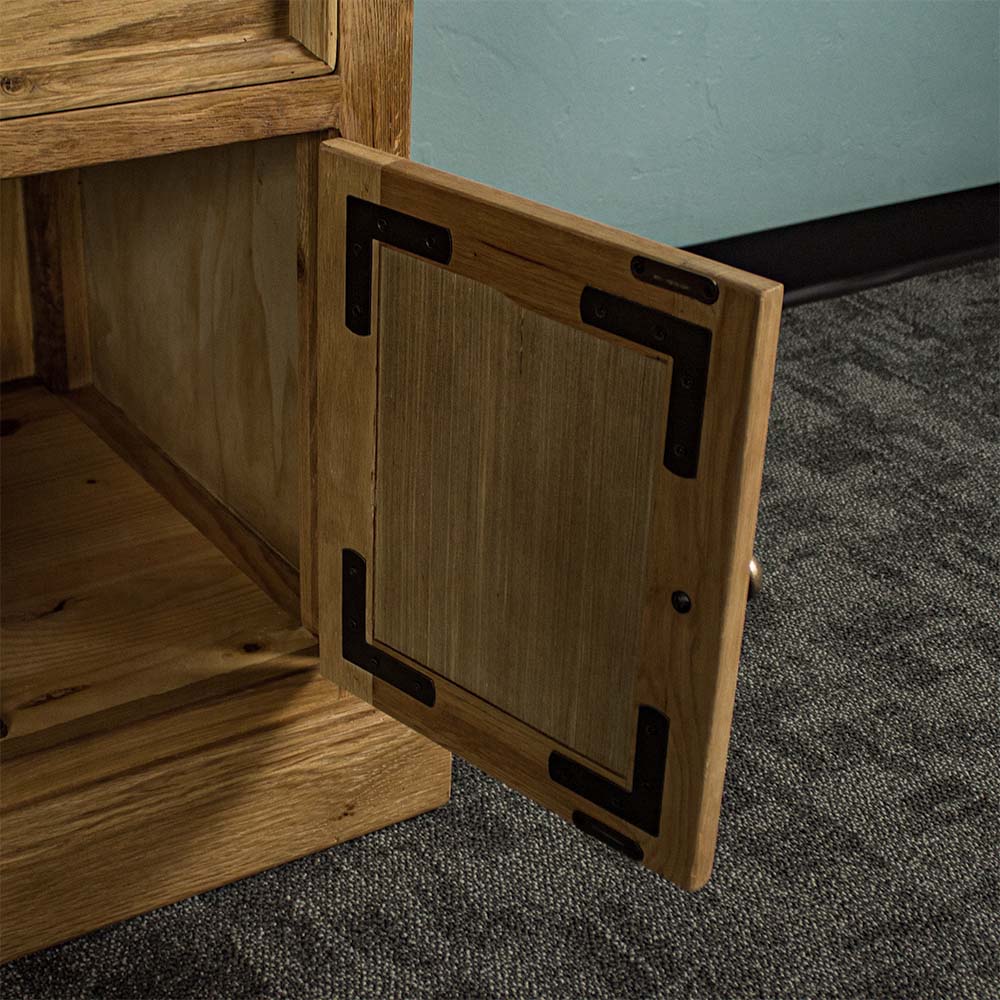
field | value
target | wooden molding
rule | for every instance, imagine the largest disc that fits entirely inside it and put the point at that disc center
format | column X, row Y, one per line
column 43, row 143
column 123, row 821
column 141, row 76
column 314, row 24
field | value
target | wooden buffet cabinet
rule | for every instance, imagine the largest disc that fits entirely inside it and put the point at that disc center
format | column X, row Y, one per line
column 293, row 428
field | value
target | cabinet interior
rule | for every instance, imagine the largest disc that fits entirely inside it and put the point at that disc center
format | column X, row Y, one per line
column 150, row 514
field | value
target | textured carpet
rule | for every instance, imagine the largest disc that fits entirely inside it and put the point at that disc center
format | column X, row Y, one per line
column 858, row 847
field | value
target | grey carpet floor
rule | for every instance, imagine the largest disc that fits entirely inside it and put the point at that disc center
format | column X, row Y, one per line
column 858, row 850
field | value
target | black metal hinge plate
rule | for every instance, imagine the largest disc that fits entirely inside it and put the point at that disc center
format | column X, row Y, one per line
column 639, row 805
column 687, row 344
column 366, row 222
column 356, row 648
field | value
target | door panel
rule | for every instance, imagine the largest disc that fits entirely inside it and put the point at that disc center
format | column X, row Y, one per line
column 540, row 444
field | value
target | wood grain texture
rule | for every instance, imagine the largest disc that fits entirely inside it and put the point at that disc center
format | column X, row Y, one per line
column 376, row 65
column 235, row 539
column 314, row 24
column 345, row 410
column 54, row 225
column 17, row 357
column 40, row 31
column 139, row 76
column 375, row 40
column 700, row 535
column 123, row 821
column 111, row 597
column 515, row 463
column 307, row 205
column 166, row 125
column 192, row 286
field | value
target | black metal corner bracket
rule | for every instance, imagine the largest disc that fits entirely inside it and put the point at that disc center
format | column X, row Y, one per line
column 690, row 347
column 639, row 805
column 356, row 648
column 366, row 222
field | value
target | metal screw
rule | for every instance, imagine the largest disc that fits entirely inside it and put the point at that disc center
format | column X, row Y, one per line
column 382, row 225
column 353, row 624
column 650, row 728
column 356, row 249
column 686, row 382
column 353, row 571
column 638, row 267
column 679, row 451
column 356, row 312
column 373, row 662
column 659, row 334
column 681, row 602
column 430, row 242
column 600, row 312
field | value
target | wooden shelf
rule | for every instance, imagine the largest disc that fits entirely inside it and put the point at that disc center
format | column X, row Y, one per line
column 141, row 74
column 114, row 605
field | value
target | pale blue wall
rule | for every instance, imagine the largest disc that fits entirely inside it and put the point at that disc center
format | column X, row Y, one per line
column 688, row 120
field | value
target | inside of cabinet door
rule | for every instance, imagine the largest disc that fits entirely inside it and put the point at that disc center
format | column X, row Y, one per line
column 539, row 444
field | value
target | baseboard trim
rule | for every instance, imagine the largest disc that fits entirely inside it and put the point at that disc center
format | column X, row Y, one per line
column 857, row 250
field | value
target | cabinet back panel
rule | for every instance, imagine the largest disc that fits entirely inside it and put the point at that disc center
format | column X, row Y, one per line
column 192, row 303
column 514, row 476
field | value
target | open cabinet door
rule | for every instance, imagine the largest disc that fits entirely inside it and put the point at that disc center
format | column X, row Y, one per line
column 540, row 443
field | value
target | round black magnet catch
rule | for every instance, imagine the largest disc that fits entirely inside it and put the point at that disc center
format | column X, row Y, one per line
column 681, row 602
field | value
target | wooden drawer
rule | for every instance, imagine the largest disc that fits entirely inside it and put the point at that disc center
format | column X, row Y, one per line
column 97, row 80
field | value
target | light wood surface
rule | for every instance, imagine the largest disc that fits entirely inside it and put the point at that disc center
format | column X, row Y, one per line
column 514, row 475
column 307, row 205
column 375, row 41
column 39, row 31
column 232, row 536
column 110, row 596
column 56, row 260
column 110, row 826
column 376, row 65
column 700, row 533
column 345, row 409
column 126, row 76
column 194, row 318
column 16, row 351
column 166, row 125
column 314, row 24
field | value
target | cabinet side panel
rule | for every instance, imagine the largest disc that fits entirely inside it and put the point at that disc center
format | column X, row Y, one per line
column 192, row 299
